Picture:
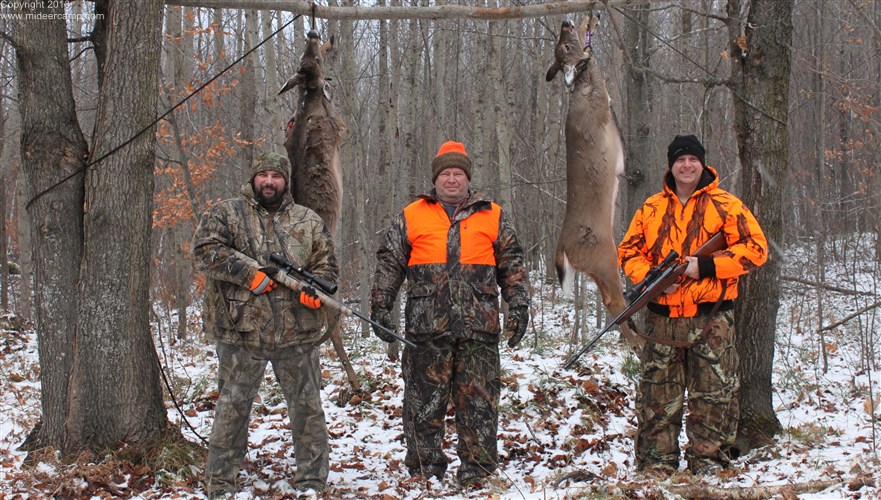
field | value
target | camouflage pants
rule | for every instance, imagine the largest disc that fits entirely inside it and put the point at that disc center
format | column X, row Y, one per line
column 707, row 370
column 240, row 373
column 468, row 372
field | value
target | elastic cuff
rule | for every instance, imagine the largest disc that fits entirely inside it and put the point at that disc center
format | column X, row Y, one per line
column 706, row 267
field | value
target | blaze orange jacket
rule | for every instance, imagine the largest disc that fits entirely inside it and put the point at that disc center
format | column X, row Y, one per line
column 664, row 224
column 454, row 267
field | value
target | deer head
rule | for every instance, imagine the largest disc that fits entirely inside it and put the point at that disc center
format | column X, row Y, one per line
column 570, row 51
column 311, row 73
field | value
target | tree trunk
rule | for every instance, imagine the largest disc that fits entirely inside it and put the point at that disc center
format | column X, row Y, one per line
column 116, row 394
column 52, row 148
column 5, row 175
column 275, row 134
column 248, row 90
column 760, row 84
column 638, row 113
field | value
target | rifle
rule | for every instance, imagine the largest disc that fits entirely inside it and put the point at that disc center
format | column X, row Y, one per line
column 656, row 281
column 296, row 278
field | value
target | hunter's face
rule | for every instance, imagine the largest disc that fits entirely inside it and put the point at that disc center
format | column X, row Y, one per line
column 451, row 185
column 269, row 187
column 687, row 170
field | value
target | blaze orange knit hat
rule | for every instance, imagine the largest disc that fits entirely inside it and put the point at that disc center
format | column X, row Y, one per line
column 450, row 154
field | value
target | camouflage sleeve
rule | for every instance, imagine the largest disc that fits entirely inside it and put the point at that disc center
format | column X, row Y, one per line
column 323, row 262
column 511, row 273
column 632, row 252
column 214, row 253
column 391, row 265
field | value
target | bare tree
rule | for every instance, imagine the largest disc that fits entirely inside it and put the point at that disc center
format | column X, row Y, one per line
column 760, row 86
column 100, row 373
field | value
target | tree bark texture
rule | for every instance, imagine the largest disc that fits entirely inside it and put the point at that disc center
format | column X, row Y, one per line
column 115, row 391
column 52, row 148
column 760, row 86
column 638, row 111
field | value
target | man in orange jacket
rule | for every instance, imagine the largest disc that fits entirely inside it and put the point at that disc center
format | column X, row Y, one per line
column 456, row 249
column 692, row 323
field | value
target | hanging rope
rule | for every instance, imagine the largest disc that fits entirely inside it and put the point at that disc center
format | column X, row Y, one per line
column 161, row 117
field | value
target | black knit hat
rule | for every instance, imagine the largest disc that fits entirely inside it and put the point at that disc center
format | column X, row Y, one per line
column 685, row 145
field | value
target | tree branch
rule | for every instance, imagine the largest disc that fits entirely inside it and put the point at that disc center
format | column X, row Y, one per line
column 849, row 317
column 749, row 492
column 305, row 7
column 824, row 286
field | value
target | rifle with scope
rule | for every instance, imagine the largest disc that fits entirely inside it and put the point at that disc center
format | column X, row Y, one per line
column 297, row 278
column 658, row 279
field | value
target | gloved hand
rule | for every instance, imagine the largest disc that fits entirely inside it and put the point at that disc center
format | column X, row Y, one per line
column 262, row 283
column 516, row 323
column 309, row 298
column 384, row 318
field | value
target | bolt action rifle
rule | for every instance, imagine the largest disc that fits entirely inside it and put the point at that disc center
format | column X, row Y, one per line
column 298, row 279
column 658, row 279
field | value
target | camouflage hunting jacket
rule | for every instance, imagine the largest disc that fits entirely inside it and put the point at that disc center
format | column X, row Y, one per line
column 234, row 239
column 454, row 268
column 664, row 223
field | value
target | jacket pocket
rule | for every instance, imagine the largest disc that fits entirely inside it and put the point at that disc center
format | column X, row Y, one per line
column 421, row 311
column 485, row 314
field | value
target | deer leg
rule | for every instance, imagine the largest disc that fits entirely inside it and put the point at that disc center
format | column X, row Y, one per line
column 605, row 274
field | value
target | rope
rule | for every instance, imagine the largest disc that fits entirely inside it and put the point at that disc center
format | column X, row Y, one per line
column 160, row 118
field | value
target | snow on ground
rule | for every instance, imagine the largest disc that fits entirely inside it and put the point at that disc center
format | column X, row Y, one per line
column 562, row 433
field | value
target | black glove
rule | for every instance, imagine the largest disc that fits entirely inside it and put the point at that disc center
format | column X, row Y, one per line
column 516, row 323
column 384, row 318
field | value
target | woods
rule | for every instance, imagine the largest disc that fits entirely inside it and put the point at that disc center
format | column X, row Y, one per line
column 784, row 94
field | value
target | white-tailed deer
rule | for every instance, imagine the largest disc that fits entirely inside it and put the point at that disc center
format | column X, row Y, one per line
column 313, row 139
column 594, row 158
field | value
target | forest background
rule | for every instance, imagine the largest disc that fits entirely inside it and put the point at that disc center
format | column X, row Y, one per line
column 403, row 86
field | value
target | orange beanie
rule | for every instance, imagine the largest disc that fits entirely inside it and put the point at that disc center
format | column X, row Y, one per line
column 450, row 154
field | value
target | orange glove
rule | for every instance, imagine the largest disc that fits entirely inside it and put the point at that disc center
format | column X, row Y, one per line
column 309, row 298
column 262, row 283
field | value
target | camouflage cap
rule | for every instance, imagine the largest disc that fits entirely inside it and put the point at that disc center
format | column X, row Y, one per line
column 271, row 161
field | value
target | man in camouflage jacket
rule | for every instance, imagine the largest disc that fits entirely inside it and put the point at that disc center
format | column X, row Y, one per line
column 255, row 322
column 455, row 248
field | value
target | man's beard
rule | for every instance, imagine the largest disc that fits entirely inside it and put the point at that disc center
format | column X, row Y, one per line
column 271, row 201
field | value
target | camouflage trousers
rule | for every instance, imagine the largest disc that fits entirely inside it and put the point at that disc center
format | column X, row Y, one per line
column 466, row 372
column 240, row 374
column 707, row 371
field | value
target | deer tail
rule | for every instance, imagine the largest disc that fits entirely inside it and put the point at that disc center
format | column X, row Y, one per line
column 565, row 273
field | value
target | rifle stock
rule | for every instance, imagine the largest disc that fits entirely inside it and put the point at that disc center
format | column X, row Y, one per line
column 664, row 278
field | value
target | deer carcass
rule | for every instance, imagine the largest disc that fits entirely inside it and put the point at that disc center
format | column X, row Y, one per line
column 313, row 142
column 594, row 158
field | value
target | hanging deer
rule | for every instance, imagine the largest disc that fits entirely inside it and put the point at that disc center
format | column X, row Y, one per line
column 594, row 159
column 312, row 140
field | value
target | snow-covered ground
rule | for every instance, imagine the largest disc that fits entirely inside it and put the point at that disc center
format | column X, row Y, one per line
column 562, row 433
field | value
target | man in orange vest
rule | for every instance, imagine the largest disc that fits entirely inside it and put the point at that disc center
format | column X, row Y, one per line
column 692, row 323
column 455, row 248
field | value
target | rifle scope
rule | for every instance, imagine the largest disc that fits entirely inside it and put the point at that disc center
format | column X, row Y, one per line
column 326, row 285
column 656, row 271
